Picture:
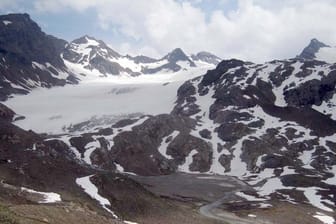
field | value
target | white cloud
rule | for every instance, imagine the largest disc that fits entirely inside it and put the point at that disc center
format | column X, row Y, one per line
column 9, row 6
column 7, row 3
column 257, row 30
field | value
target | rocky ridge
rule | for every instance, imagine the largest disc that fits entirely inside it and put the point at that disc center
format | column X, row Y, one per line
column 272, row 125
column 29, row 58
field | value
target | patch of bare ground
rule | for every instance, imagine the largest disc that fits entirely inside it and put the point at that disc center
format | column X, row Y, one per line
column 58, row 214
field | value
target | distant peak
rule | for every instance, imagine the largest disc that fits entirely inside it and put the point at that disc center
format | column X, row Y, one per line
column 310, row 51
column 206, row 54
column 20, row 18
column 16, row 16
column 86, row 39
column 206, row 57
column 177, row 50
column 176, row 55
column 89, row 37
column 318, row 43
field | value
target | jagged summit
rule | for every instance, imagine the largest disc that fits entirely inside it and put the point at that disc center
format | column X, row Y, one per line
column 310, row 51
column 178, row 55
column 17, row 17
column 29, row 57
column 84, row 39
column 317, row 50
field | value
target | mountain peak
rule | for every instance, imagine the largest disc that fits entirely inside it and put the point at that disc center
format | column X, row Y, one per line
column 86, row 39
column 206, row 57
column 310, row 51
column 16, row 16
column 177, row 51
column 315, row 41
column 177, row 55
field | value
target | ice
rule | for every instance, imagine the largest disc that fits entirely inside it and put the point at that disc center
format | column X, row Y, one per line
column 163, row 147
column 188, row 161
column 323, row 142
column 306, row 157
column 332, row 180
column 263, row 74
column 325, row 219
column 66, row 140
column 6, row 22
column 92, row 191
column 315, row 199
column 238, row 167
column 129, row 222
column 90, row 148
column 125, row 62
column 265, row 205
column 271, row 186
column 249, row 197
column 79, row 103
column 327, row 107
column 48, row 197
column 327, row 54
column 47, row 66
column 121, row 169
column 204, row 103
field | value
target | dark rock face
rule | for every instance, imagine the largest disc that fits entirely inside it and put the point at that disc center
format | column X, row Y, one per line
column 30, row 160
column 178, row 55
column 232, row 132
column 205, row 133
column 23, row 37
column 80, row 142
column 29, row 57
column 137, row 150
column 313, row 92
column 214, row 76
column 310, row 51
column 6, row 113
column 319, row 123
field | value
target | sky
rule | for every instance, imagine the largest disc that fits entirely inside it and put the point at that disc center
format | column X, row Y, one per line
column 254, row 30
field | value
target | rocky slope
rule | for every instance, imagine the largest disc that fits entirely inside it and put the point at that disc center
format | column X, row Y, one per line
column 41, row 180
column 272, row 125
column 29, row 57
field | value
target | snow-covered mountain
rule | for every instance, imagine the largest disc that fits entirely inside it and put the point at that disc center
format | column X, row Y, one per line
column 206, row 57
column 270, row 126
column 319, row 51
column 92, row 57
column 88, row 55
column 29, row 58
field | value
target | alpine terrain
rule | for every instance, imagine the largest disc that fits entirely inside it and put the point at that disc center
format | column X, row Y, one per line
column 89, row 135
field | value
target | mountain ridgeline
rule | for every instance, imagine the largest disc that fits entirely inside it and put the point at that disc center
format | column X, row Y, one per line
column 30, row 58
column 272, row 126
